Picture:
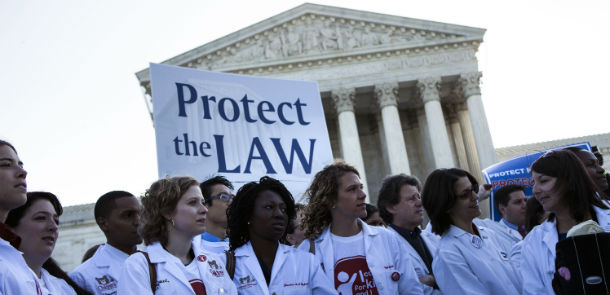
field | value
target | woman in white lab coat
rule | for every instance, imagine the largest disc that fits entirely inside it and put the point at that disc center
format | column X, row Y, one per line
column 563, row 187
column 173, row 215
column 36, row 222
column 356, row 257
column 468, row 259
column 258, row 219
column 15, row 275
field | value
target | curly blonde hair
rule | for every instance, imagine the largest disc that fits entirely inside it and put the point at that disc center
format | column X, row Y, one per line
column 159, row 201
column 321, row 196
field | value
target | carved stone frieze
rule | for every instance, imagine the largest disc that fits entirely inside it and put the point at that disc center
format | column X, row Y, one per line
column 429, row 88
column 468, row 84
column 311, row 35
column 344, row 100
column 386, row 94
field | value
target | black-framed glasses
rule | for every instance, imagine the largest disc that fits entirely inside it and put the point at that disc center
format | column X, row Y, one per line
column 223, row 197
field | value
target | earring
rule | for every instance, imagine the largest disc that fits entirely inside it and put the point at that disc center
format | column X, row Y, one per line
column 172, row 221
column 248, row 222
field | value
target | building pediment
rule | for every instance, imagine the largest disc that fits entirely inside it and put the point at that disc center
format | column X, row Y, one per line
column 313, row 33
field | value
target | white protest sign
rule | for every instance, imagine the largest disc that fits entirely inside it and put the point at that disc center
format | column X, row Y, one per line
column 241, row 127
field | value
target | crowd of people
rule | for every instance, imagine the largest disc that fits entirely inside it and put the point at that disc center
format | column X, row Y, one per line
column 201, row 238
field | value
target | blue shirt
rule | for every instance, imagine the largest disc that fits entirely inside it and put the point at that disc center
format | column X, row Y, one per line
column 212, row 238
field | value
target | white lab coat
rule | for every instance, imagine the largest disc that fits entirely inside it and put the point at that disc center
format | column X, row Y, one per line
column 460, row 267
column 418, row 263
column 383, row 257
column 100, row 273
column 293, row 272
column 486, row 223
column 16, row 277
column 506, row 236
column 516, row 257
column 54, row 285
column 538, row 254
column 135, row 277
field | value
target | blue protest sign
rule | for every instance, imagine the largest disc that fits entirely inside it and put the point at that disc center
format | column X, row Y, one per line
column 516, row 171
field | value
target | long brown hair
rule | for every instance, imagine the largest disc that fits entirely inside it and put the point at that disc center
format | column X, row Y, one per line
column 577, row 190
column 321, row 196
column 159, row 200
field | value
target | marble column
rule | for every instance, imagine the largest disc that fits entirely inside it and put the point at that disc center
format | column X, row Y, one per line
column 348, row 130
column 439, row 140
column 427, row 162
column 458, row 139
column 387, row 95
column 469, row 83
column 471, row 148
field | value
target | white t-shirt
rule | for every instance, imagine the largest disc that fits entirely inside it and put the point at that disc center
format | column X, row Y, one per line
column 191, row 272
column 352, row 274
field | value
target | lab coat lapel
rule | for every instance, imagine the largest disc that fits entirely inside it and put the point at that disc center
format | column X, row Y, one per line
column 328, row 260
column 253, row 266
column 173, row 266
column 280, row 258
column 406, row 246
column 550, row 238
column 368, row 233
column 515, row 235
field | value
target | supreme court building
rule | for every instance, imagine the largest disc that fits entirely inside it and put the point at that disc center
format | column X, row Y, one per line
column 400, row 95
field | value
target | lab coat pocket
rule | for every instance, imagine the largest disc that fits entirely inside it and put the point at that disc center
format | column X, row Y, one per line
column 389, row 277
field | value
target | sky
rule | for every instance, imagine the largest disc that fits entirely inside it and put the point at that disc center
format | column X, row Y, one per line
column 73, row 108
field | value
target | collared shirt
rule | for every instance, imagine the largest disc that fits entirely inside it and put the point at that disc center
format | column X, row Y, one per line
column 510, row 224
column 520, row 229
column 414, row 238
column 9, row 236
column 212, row 238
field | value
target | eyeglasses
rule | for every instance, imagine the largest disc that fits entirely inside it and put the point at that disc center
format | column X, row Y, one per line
column 223, row 197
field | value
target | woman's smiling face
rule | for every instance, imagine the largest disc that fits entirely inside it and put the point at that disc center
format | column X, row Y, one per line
column 38, row 230
column 546, row 192
column 466, row 206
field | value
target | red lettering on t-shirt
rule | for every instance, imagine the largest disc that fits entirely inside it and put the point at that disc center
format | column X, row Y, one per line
column 353, row 277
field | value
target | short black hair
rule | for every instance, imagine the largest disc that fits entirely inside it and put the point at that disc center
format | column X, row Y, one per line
column 240, row 209
column 389, row 194
column 438, row 196
column 370, row 210
column 501, row 196
column 15, row 215
column 598, row 155
column 206, row 187
column 105, row 204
